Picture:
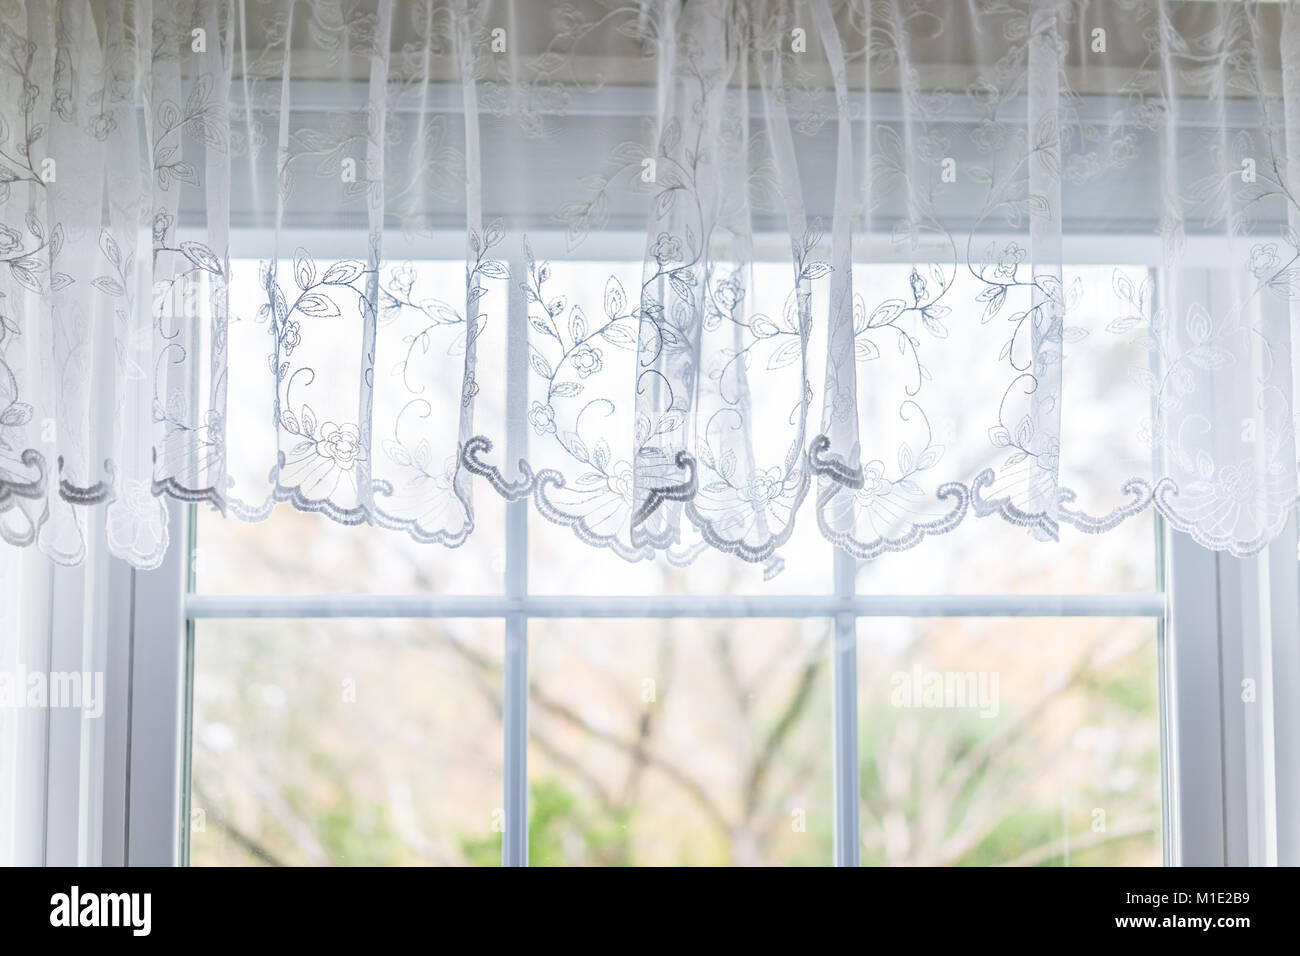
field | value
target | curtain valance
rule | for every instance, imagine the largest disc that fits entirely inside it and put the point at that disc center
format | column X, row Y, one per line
column 680, row 273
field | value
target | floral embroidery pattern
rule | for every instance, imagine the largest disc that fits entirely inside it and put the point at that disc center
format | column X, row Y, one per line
column 850, row 281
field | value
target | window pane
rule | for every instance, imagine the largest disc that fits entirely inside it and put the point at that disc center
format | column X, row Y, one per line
column 1009, row 741
column 990, row 556
column 295, row 552
column 700, row 742
column 558, row 559
column 346, row 743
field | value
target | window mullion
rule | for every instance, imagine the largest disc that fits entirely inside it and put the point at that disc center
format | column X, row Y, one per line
column 844, row 709
column 514, row 846
column 514, row 712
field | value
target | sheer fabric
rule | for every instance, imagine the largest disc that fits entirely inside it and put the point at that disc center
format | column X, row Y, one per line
column 56, row 670
column 680, row 273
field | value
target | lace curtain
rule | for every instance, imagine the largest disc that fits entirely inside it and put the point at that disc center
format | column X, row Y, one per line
column 680, row 273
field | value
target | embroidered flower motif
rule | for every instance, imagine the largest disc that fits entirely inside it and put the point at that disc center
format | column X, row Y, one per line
column 177, row 411
column 290, row 338
column 727, row 294
column 984, row 94
column 530, row 122
column 586, row 360
column 666, row 249
column 1264, row 260
column 1236, row 483
column 137, row 522
column 1123, row 149
column 542, row 418
column 403, row 278
column 874, row 484
column 763, row 486
column 63, row 103
column 1151, row 115
column 162, row 224
column 920, row 290
column 1049, row 458
column 1081, row 168
column 812, row 120
column 567, row 21
column 10, row 240
column 1009, row 261
column 932, row 149
column 340, row 444
column 988, row 136
column 101, row 126
column 469, row 391
column 842, row 405
column 216, row 427
column 619, row 479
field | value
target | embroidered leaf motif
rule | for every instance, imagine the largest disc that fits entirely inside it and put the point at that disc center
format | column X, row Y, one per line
column 319, row 306
column 201, row 256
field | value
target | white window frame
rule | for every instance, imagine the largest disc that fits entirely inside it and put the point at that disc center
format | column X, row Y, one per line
column 1232, row 780
column 1231, row 785
column 1232, row 757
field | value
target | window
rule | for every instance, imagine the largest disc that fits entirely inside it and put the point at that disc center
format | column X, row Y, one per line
column 296, row 692
column 361, row 699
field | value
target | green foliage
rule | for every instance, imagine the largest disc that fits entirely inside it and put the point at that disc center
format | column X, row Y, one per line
column 562, row 830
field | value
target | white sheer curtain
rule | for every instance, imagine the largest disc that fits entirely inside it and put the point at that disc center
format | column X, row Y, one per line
column 55, row 767
column 715, row 267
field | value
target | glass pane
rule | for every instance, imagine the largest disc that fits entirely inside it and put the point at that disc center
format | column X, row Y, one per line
column 696, row 742
column 555, row 555
column 1031, row 742
column 346, row 743
column 990, row 556
column 296, row 552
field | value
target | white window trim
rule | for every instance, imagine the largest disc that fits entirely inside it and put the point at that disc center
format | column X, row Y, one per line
column 1233, row 758
column 1222, row 805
